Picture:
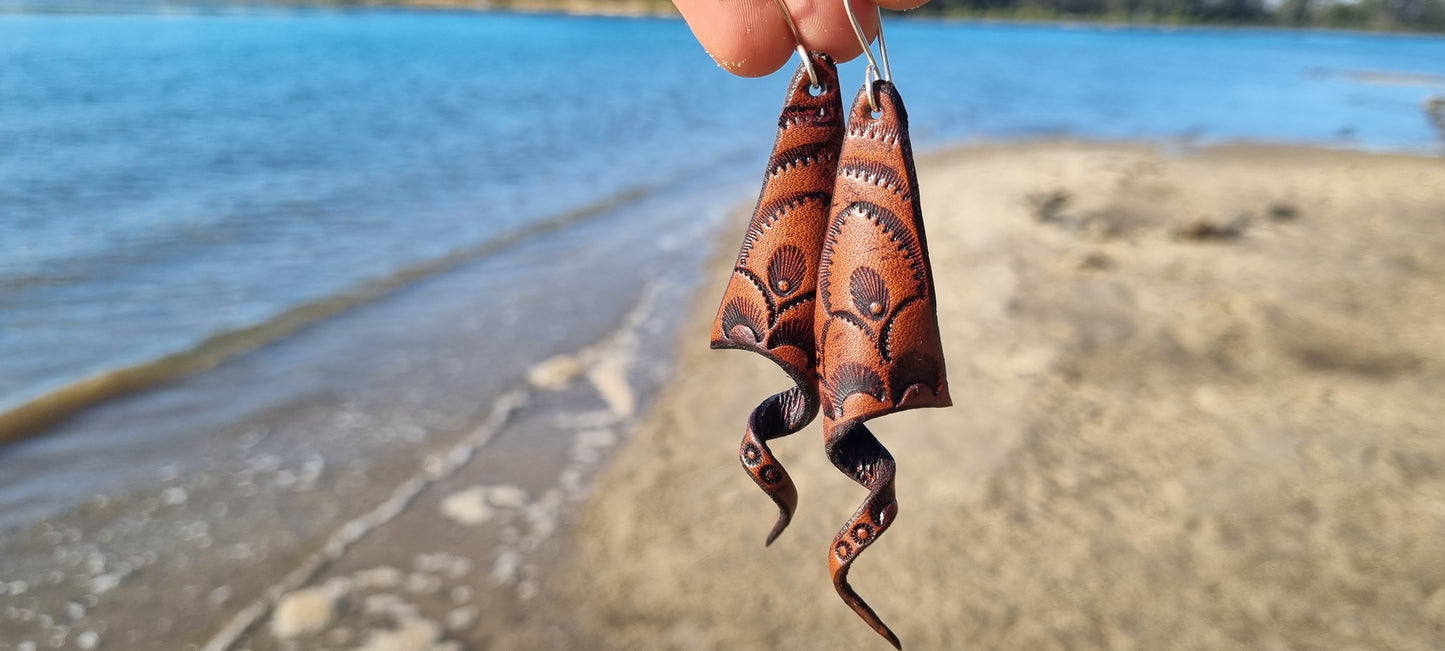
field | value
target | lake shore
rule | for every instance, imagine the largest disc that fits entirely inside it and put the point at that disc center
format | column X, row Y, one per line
column 1196, row 407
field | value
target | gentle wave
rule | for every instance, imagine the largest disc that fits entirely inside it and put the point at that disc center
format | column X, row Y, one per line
column 34, row 415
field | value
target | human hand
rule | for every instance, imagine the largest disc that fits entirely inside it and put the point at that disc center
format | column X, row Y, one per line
column 750, row 37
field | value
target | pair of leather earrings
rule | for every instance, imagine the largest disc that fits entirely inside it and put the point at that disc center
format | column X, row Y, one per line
column 833, row 284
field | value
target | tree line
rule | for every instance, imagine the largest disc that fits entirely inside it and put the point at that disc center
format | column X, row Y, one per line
column 1408, row 15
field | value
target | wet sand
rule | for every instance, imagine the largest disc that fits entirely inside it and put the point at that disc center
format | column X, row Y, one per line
column 1197, row 406
column 180, row 517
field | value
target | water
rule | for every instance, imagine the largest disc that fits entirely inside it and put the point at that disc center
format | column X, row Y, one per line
column 168, row 178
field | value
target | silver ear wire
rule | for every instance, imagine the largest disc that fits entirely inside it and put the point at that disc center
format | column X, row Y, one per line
column 802, row 51
column 873, row 73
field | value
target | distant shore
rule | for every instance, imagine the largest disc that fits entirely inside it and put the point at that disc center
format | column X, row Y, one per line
column 636, row 8
column 1023, row 16
column 622, row 8
column 943, row 11
column 665, row 8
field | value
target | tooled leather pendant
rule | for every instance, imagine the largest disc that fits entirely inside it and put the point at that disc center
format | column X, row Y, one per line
column 877, row 322
column 768, row 306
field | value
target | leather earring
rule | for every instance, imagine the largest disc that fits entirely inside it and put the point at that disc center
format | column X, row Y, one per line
column 877, row 322
column 768, row 306
column 833, row 284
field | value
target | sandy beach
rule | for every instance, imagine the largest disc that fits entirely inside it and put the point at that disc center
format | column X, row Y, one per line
column 1197, row 406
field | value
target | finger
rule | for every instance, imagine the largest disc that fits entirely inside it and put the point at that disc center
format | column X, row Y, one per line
column 750, row 37
column 823, row 25
column 745, row 37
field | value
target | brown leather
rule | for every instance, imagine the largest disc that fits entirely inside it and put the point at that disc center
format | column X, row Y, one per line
column 768, row 306
column 877, row 321
column 833, row 284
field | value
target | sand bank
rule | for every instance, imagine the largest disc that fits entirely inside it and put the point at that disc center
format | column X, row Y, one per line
column 1198, row 405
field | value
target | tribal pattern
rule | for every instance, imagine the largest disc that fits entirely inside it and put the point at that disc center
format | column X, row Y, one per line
column 833, row 284
column 768, row 305
column 877, row 321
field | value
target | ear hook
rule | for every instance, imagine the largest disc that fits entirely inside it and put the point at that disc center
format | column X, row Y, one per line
column 802, row 51
column 873, row 73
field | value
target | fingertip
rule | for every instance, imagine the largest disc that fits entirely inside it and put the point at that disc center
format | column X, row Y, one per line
column 748, row 61
column 824, row 26
column 748, row 38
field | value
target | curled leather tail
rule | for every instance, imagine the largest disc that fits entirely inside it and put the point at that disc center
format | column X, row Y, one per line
column 768, row 306
column 876, row 325
column 780, row 415
column 857, row 453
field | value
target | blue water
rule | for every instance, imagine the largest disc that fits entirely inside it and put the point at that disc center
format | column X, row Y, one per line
column 164, row 178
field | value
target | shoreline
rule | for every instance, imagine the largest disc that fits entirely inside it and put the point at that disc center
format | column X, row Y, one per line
column 220, row 490
column 1102, row 303
column 33, row 416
